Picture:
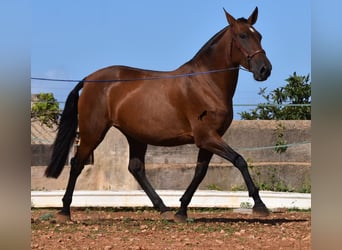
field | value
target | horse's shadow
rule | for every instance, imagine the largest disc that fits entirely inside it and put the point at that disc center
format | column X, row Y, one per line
column 203, row 220
column 267, row 221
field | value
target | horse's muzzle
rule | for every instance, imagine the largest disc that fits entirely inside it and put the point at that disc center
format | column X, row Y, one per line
column 261, row 71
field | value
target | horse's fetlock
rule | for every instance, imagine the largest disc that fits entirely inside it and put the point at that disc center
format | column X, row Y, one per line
column 254, row 193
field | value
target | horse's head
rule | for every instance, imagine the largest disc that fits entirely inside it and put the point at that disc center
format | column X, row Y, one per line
column 246, row 46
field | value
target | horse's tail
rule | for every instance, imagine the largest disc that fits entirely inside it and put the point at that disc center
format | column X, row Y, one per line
column 66, row 134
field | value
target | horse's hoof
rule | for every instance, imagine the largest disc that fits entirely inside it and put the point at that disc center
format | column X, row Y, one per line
column 167, row 215
column 180, row 218
column 261, row 211
column 63, row 218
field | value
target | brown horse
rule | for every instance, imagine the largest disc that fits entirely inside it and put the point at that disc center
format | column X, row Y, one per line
column 192, row 104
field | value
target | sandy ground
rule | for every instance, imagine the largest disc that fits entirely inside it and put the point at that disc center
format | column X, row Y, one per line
column 143, row 228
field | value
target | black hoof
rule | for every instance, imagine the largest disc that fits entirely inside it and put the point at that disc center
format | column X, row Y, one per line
column 62, row 217
column 180, row 218
column 261, row 210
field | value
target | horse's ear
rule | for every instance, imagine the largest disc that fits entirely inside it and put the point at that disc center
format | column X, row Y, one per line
column 253, row 18
column 231, row 20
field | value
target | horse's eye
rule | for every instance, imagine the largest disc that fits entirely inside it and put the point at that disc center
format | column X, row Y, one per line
column 243, row 35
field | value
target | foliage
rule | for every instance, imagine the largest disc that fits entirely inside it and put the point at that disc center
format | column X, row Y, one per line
column 281, row 102
column 246, row 205
column 45, row 109
column 214, row 187
column 46, row 217
column 281, row 143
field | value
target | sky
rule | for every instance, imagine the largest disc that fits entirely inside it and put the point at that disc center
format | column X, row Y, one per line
column 71, row 39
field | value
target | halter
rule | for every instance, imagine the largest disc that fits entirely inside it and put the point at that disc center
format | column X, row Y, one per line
column 247, row 55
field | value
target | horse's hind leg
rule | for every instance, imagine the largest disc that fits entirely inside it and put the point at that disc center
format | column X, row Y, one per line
column 75, row 170
column 136, row 167
column 88, row 143
column 203, row 160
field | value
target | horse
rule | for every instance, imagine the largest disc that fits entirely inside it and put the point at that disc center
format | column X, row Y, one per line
column 189, row 105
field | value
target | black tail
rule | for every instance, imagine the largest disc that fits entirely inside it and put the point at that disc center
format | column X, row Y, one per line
column 66, row 134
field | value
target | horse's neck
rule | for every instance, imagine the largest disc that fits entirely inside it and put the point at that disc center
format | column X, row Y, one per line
column 217, row 57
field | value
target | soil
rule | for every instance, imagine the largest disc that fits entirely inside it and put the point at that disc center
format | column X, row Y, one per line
column 143, row 228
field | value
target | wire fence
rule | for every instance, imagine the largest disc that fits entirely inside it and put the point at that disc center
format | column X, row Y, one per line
column 235, row 105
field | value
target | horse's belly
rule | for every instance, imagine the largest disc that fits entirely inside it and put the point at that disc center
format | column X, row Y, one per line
column 153, row 123
column 155, row 135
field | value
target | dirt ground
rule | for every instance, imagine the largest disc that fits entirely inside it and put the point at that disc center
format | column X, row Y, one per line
column 143, row 228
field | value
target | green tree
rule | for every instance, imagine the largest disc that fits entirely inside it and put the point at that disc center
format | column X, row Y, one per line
column 45, row 109
column 284, row 103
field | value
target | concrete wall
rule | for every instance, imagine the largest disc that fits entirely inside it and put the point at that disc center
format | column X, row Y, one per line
column 173, row 167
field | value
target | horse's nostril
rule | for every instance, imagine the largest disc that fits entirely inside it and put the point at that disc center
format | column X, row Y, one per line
column 263, row 70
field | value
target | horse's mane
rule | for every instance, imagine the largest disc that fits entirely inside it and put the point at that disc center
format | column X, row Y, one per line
column 216, row 37
column 211, row 41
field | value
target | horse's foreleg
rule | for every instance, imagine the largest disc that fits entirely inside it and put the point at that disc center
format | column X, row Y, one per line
column 203, row 160
column 216, row 145
column 259, row 207
column 136, row 167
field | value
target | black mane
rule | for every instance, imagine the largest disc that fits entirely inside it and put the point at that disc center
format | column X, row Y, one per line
column 211, row 41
